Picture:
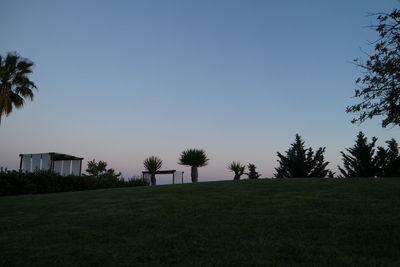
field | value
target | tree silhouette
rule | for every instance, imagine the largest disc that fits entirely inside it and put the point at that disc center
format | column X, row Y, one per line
column 238, row 168
column 194, row 158
column 360, row 161
column 100, row 168
column 300, row 162
column 363, row 160
column 252, row 174
column 388, row 160
column 15, row 85
column 379, row 87
column 152, row 165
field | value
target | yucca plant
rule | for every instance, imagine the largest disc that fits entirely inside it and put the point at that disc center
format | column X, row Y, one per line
column 152, row 165
column 238, row 168
column 194, row 158
column 14, row 82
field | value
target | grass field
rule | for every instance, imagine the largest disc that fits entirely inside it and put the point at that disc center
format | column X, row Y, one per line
column 303, row 222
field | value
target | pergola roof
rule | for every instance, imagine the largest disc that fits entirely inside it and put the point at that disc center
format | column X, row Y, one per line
column 162, row 172
column 57, row 156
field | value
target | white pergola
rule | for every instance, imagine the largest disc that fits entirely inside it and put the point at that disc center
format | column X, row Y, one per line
column 60, row 163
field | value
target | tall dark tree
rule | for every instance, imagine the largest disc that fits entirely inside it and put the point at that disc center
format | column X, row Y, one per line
column 301, row 162
column 360, row 160
column 15, row 85
column 379, row 86
column 195, row 158
column 388, row 160
column 252, row 174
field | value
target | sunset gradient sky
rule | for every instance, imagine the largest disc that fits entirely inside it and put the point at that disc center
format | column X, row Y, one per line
column 122, row 80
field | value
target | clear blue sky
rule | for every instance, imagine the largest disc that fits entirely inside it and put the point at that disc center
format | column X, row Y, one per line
column 121, row 80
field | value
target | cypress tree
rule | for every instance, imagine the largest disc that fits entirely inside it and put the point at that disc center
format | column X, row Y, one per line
column 301, row 162
column 252, row 174
column 388, row 160
column 360, row 160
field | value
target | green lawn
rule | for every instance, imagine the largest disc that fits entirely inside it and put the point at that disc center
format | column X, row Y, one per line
column 303, row 222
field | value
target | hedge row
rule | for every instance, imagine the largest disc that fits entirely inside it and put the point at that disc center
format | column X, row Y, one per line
column 16, row 183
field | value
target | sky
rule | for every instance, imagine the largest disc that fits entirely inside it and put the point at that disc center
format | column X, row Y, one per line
column 122, row 80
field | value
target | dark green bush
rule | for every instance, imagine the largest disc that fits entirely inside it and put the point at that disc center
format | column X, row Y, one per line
column 17, row 183
column 137, row 181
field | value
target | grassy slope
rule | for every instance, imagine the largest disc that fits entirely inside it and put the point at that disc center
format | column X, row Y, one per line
column 289, row 221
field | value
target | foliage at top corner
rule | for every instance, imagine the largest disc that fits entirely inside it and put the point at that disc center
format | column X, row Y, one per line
column 379, row 86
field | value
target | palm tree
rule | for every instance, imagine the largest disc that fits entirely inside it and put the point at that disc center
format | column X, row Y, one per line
column 194, row 158
column 238, row 168
column 14, row 82
column 152, row 165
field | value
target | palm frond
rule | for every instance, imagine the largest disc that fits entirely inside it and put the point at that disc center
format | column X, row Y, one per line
column 15, row 85
column 24, row 92
column 16, row 100
column 11, row 61
column 25, row 66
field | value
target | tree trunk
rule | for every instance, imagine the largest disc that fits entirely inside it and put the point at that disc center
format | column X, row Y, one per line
column 153, row 179
column 195, row 174
column 2, row 93
column 237, row 177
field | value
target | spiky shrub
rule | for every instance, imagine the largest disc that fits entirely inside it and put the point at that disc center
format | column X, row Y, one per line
column 238, row 168
column 195, row 158
column 15, row 85
column 152, row 165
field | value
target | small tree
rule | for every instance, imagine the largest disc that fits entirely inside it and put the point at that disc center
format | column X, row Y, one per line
column 100, row 169
column 152, row 165
column 238, row 168
column 301, row 162
column 360, row 161
column 194, row 158
column 379, row 87
column 252, row 174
